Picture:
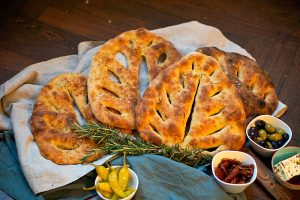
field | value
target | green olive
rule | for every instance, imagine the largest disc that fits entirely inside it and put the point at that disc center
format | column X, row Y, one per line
column 263, row 134
column 275, row 137
column 258, row 139
column 269, row 128
column 280, row 131
column 269, row 145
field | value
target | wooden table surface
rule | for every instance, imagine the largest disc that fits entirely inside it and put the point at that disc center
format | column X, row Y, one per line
column 33, row 31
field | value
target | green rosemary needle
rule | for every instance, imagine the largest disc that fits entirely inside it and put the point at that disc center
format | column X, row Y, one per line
column 112, row 141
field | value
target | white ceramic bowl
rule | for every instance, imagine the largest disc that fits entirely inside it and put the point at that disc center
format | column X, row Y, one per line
column 133, row 183
column 244, row 158
column 277, row 123
column 281, row 155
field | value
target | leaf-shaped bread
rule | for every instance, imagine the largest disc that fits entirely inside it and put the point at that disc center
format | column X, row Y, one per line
column 53, row 116
column 192, row 103
column 113, row 86
column 253, row 83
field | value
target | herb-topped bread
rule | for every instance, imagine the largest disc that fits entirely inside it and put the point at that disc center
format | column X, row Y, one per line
column 53, row 116
column 113, row 87
column 253, row 83
column 192, row 103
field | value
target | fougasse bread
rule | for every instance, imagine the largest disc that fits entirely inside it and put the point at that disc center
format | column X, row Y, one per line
column 113, row 87
column 192, row 104
column 253, row 83
column 54, row 115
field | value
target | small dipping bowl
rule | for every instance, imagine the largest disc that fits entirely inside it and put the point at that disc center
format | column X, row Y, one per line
column 281, row 155
column 245, row 159
column 277, row 123
column 133, row 183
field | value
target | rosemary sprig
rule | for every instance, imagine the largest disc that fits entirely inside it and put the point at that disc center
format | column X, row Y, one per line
column 112, row 141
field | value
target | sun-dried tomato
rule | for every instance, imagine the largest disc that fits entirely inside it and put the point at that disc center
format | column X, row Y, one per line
column 220, row 173
column 234, row 173
column 231, row 171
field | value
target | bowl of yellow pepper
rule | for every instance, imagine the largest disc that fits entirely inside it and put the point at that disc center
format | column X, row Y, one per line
column 115, row 182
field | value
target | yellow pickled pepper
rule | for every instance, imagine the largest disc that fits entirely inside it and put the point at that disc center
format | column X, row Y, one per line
column 89, row 188
column 115, row 197
column 106, row 194
column 114, row 183
column 105, row 190
column 104, row 186
column 124, row 174
column 101, row 171
column 128, row 191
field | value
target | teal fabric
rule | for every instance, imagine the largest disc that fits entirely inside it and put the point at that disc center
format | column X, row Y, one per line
column 74, row 191
column 159, row 177
column 12, row 180
column 14, row 184
column 162, row 178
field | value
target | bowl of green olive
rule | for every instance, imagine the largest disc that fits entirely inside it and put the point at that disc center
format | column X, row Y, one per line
column 267, row 134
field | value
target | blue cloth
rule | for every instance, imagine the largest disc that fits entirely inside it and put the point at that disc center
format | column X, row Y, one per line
column 12, row 180
column 162, row 178
column 14, row 184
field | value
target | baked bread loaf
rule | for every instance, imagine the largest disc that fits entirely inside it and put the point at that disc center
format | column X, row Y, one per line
column 113, row 86
column 253, row 83
column 192, row 103
column 54, row 114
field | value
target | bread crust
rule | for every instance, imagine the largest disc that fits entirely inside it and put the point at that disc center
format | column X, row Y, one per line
column 253, row 83
column 112, row 101
column 54, row 115
column 194, row 87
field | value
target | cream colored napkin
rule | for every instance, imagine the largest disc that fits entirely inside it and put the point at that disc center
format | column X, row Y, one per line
column 18, row 96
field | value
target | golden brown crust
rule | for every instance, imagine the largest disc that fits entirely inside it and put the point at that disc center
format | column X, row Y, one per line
column 54, row 114
column 113, row 101
column 253, row 83
column 197, row 86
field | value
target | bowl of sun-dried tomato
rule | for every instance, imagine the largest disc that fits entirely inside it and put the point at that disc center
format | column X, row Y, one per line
column 234, row 170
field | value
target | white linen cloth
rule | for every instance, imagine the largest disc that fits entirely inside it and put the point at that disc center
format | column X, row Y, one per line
column 18, row 96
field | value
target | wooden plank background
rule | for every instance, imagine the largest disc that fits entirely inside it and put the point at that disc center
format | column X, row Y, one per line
column 33, row 31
